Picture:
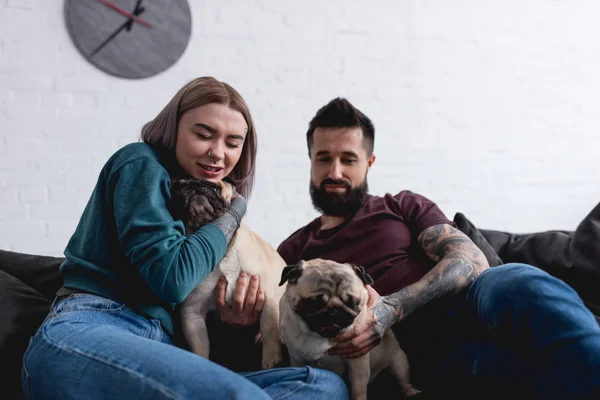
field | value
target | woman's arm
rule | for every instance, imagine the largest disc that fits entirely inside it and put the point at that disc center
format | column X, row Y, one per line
column 171, row 263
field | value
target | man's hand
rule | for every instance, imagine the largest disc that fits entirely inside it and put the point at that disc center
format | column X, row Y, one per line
column 238, row 331
column 245, row 310
column 364, row 337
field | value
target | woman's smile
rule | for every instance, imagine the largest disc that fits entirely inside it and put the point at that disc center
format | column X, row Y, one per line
column 210, row 171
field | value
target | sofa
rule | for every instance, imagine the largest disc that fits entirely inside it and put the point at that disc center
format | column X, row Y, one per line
column 28, row 282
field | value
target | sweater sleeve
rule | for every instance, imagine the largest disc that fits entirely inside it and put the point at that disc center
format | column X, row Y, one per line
column 153, row 242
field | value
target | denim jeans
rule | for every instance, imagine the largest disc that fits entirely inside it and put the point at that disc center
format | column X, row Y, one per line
column 517, row 332
column 90, row 347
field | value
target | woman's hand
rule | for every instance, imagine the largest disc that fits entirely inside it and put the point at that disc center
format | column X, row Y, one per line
column 245, row 309
column 364, row 337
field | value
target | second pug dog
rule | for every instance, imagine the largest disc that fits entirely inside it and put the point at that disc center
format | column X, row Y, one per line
column 197, row 202
column 322, row 299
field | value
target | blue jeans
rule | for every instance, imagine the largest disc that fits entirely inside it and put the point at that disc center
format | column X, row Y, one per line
column 517, row 332
column 90, row 347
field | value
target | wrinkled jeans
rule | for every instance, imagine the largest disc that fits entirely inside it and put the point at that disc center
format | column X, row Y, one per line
column 517, row 332
column 90, row 347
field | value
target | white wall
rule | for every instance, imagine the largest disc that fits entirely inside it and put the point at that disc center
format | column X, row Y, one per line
column 489, row 107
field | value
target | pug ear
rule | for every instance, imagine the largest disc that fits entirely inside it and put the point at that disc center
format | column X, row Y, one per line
column 362, row 274
column 291, row 273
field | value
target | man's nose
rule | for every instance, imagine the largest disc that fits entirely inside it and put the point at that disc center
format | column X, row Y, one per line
column 335, row 172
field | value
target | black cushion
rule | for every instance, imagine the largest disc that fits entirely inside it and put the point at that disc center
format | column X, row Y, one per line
column 27, row 287
column 469, row 229
column 584, row 253
column 39, row 272
column 573, row 256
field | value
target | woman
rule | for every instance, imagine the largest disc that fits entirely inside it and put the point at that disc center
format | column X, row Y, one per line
column 109, row 332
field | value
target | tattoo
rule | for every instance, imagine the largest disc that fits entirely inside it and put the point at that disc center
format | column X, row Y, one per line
column 459, row 263
column 385, row 316
column 228, row 224
column 230, row 220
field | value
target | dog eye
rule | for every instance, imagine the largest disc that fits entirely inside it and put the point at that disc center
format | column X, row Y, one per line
column 314, row 303
column 352, row 302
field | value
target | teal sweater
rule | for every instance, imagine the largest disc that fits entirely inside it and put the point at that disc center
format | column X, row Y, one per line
column 127, row 246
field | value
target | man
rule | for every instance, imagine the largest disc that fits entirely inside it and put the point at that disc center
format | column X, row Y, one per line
column 511, row 331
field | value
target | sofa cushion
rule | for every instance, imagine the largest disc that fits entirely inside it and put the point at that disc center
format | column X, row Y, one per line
column 469, row 229
column 27, row 287
column 22, row 310
column 584, row 252
column 573, row 256
column 39, row 272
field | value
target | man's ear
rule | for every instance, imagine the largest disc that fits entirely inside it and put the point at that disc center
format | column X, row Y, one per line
column 362, row 274
column 370, row 161
column 291, row 273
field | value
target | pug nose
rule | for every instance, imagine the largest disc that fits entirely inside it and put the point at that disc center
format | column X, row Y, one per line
column 334, row 312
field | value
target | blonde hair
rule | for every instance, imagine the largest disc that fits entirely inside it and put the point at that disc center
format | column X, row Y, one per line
column 161, row 132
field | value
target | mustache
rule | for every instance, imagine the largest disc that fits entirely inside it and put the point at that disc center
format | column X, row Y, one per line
column 329, row 181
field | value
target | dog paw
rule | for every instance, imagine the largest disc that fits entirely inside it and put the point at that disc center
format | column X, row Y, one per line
column 410, row 392
column 271, row 362
column 271, row 354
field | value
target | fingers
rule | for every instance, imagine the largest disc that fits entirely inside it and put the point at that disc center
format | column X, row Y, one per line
column 260, row 302
column 357, row 346
column 344, row 336
column 373, row 295
column 247, row 301
column 357, row 331
column 355, row 342
column 252, row 294
column 362, row 350
column 220, row 291
column 239, row 293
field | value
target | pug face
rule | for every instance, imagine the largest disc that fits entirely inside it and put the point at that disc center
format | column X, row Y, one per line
column 328, row 296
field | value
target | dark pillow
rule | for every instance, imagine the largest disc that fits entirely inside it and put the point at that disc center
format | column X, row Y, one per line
column 467, row 227
column 547, row 250
column 22, row 310
column 28, row 284
column 39, row 272
column 585, row 246
column 585, row 259
column 573, row 256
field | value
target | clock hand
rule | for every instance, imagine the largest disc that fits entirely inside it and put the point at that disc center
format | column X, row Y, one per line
column 108, row 39
column 136, row 11
column 126, row 13
column 126, row 24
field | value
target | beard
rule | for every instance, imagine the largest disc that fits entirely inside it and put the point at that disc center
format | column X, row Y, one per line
column 335, row 204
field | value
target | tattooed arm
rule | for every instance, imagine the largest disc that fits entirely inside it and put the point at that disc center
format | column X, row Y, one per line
column 459, row 262
column 232, row 217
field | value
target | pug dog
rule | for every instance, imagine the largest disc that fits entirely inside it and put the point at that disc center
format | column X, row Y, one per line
column 323, row 299
column 197, row 202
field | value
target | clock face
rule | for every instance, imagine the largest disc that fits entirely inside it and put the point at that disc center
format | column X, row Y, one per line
column 129, row 38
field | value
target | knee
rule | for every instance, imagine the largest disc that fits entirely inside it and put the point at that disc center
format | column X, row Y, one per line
column 331, row 385
column 516, row 283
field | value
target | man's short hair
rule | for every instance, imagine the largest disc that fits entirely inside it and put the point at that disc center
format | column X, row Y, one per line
column 340, row 113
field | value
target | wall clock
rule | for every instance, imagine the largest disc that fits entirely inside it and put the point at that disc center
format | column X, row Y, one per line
column 129, row 38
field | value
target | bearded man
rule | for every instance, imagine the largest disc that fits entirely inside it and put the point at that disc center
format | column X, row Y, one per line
column 469, row 330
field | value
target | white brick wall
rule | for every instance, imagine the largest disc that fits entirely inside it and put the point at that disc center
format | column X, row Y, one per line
column 489, row 107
